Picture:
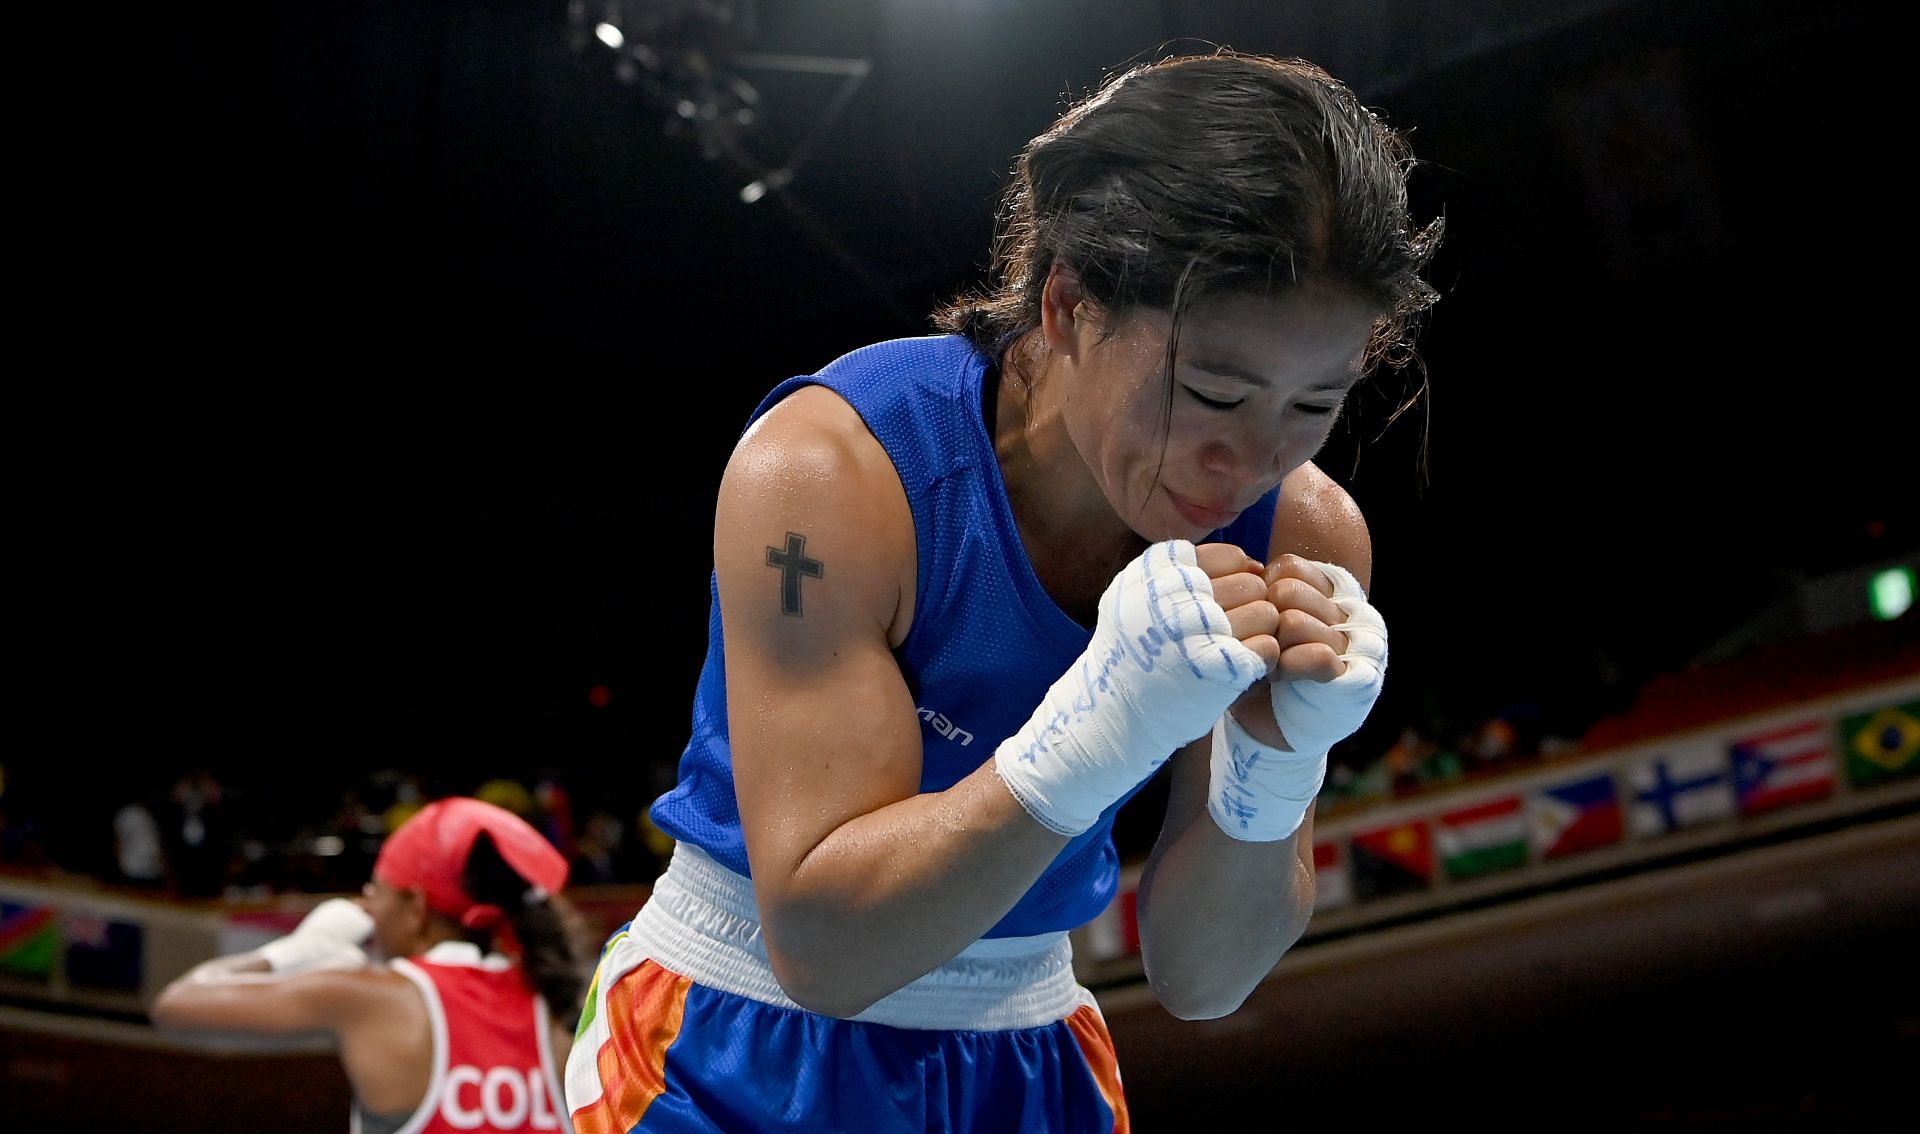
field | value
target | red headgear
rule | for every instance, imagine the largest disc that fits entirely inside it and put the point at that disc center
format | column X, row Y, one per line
column 428, row 852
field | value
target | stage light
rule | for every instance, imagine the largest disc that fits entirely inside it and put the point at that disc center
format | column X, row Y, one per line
column 687, row 58
column 760, row 186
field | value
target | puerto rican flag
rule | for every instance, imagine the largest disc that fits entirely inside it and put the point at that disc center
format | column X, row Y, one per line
column 1784, row 767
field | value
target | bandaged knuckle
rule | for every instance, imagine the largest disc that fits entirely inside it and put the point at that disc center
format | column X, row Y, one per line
column 1363, row 672
column 1183, row 621
column 1162, row 665
column 1346, row 586
column 1238, row 667
column 1170, row 589
column 1364, row 643
column 1358, row 614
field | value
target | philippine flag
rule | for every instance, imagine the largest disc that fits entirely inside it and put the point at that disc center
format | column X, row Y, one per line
column 1784, row 767
column 1574, row 816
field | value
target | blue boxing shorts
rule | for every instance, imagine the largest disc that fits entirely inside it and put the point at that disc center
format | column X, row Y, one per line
column 685, row 1031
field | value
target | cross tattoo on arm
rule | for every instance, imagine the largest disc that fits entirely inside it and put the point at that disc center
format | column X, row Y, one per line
column 793, row 563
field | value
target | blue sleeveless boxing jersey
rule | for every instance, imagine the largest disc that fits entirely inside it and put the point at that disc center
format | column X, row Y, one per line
column 986, row 641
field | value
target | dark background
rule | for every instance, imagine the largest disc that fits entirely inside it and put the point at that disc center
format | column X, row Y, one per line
column 395, row 350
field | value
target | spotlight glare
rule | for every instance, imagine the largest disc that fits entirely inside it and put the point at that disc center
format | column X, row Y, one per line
column 1890, row 593
column 774, row 179
column 609, row 35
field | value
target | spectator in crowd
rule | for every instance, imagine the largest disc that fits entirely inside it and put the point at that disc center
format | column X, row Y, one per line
column 408, row 797
column 139, row 849
column 198, row 835
column 22, row 841
column 552, row 810
column 600, row 852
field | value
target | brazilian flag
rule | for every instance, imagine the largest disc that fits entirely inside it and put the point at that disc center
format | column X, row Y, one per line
column 1882, row 744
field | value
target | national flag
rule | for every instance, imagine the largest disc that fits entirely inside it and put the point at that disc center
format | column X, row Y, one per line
column 1680, row 787
column 29, row 940
column 1483, row 838
column 1575, row 816
column 1392, row 860
column 1882, row 744
column 103, row 953
column 1332, row 886
column 1783, row 767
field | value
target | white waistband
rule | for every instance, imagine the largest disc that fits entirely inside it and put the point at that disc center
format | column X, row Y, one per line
column 701, row 922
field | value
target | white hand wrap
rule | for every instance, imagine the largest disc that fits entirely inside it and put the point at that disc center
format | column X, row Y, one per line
column 1261, row 794
column 1316, row 715
column 329, row 937
column 1162, row 666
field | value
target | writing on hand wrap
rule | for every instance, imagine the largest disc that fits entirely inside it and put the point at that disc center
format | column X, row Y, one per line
column 1259, row 794
column 1096, row 672
column 1122, row 708
column 1233, row 798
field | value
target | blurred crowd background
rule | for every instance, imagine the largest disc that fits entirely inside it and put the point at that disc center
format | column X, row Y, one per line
column 250, row 829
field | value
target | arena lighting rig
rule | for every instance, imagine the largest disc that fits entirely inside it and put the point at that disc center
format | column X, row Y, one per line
column 688, row 57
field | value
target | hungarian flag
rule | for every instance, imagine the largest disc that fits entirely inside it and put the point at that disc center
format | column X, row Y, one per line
column 1881, row 745
column 1392, row 860
column 1783, row 767
column 1482, row 839
column 1575, row 816
column 1680, row 787
column 29, row 940
column 1332, row 888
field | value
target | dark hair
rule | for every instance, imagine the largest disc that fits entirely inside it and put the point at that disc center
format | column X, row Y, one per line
column 1206, row 174
column 555, row 953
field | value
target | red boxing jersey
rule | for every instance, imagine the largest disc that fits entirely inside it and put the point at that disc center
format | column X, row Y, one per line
column 493, row 1066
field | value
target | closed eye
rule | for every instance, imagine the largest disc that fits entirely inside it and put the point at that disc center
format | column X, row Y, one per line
column 1210, row 403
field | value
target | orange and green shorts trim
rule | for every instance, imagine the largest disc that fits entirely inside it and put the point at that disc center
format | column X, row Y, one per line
column 658, row 1054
